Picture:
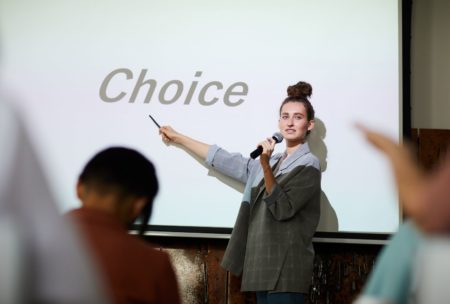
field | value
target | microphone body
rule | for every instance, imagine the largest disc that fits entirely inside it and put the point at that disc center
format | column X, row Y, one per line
column 257, row 152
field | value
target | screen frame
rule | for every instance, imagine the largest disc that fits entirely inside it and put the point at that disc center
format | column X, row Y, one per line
column 405, row 12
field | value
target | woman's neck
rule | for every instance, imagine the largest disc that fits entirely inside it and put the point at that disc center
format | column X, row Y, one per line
column 292, row 146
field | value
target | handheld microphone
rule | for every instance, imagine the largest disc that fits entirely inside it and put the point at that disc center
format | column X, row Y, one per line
column 257, row 152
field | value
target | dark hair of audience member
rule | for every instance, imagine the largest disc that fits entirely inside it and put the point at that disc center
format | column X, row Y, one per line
column 125, row 173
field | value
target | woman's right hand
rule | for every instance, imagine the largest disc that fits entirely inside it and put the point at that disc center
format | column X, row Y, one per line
column 268, row 146
column 169, row 135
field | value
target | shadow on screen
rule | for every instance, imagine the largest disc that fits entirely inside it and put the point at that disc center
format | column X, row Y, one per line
column 328, row 218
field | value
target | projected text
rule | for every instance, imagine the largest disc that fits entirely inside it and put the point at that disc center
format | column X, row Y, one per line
column 206, row 94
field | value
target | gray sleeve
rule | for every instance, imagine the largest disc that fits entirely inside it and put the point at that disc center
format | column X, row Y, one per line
column 233, row 165
column 285, row 201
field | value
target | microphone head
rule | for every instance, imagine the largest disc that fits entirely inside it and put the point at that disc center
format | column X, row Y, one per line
column 278, row 137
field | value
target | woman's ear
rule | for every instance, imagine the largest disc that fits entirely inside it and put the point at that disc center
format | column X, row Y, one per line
column 311, row 124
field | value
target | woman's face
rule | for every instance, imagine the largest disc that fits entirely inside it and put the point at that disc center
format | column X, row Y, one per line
column 294, row 122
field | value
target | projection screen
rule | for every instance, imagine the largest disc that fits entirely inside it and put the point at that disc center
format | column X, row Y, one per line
column 88, row 73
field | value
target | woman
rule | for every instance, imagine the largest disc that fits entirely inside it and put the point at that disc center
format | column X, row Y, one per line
column 271, row 243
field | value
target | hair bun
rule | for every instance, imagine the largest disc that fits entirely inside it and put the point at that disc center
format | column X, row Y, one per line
column 301, row 89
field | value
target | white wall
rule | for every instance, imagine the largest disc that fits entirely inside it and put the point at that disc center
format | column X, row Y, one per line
column 430, row 56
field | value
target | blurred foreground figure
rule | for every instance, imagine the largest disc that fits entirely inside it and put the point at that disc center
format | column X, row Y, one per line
column 414, row 267
column 41, row 258
column 425, row 198
column 116, row 187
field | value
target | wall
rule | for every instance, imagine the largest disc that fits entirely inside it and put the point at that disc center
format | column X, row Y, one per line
column 430, row 64
column 340, row 271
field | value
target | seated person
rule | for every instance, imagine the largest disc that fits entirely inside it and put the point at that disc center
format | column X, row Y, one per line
column 116, row 187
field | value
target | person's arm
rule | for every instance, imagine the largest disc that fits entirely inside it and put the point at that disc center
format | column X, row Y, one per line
column 169, row 135
column 408, row 176
column 436, row 201
column 424, row 198
column 233, row 165
column 286, row 199
column 269, row 179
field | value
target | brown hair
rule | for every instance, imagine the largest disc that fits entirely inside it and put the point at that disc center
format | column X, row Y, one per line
column 300, row 92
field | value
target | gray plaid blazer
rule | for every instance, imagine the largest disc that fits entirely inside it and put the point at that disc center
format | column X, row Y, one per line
column 271, row 243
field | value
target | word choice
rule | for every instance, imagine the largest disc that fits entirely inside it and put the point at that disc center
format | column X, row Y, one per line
column 171, row 91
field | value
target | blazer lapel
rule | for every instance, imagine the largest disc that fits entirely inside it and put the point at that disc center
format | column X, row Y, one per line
column 285, row 166
column 288, row 162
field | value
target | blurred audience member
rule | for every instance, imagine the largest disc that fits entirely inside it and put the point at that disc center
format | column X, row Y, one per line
column 116, row 187
column 391, row 280
column 414, row 266
column 424, row 197
column 41, row 259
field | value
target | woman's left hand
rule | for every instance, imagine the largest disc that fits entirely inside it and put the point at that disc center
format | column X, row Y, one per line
column 268, row 146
